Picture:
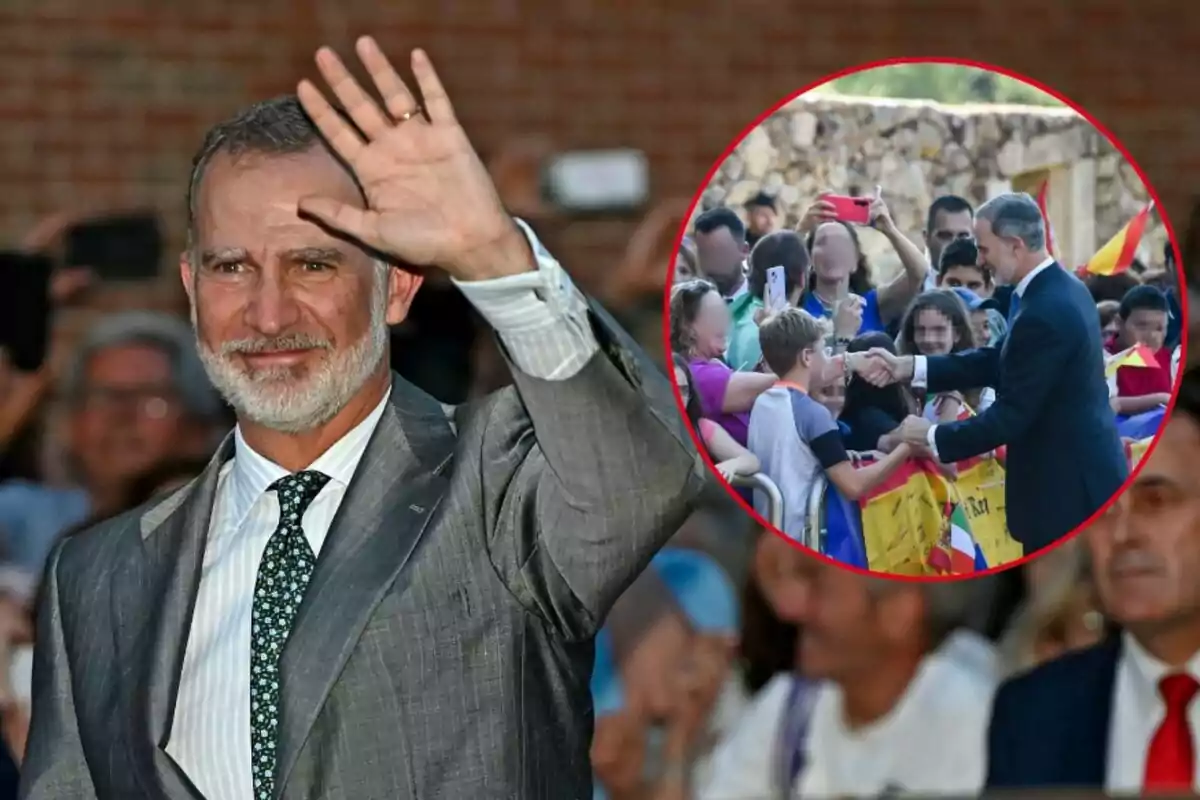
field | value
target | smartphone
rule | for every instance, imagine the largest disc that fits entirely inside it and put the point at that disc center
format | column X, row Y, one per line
column 597, row 181
column 25, row 308
column 127, row 247
column 856, row 210
column 776, row 299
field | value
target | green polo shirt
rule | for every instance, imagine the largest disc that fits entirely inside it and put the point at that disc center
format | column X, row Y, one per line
column 744, row 351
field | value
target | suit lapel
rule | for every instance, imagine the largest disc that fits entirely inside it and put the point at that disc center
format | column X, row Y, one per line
column 163, row 586
column 394, row 494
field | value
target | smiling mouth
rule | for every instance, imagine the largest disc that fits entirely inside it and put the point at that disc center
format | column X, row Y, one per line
column 277, row 358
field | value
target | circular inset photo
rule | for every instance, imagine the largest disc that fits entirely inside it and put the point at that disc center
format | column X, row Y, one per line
column 925, row 318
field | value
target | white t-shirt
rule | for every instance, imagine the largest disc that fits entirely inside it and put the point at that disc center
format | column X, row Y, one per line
column 932, row 742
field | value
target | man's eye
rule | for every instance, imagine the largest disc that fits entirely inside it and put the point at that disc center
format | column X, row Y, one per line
column 315, row 266
column 228, row 267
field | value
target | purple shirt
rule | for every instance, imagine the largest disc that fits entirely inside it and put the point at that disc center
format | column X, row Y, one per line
column 711, row 378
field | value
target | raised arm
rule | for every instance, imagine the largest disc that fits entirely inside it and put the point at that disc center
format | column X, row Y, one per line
column 596, row 470
column 54, row 765
column 895, row 295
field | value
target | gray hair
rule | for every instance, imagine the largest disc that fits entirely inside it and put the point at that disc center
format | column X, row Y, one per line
column 276, row 127
column 948, row 605
column 1015, row 214
column 169, row 334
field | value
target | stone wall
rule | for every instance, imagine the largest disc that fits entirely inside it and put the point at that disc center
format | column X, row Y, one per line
column 917, row 150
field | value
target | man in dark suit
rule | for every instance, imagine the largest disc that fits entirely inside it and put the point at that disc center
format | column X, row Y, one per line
column 365, row 594
column 1065, row 459
column 1122, row 716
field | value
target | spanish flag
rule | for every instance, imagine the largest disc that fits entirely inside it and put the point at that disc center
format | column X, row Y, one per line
column 1041, row 202
column 1118, row 253
column 1136, row 356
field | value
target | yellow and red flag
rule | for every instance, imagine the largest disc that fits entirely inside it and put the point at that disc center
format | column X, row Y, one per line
column 1136, row 356
column 1041, row 202
column 1116, row 256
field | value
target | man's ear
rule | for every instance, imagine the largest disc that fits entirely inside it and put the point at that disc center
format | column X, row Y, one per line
column 402, row 288
column 186, row 274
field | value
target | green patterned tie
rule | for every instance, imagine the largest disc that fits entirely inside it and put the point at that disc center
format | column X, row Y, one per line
column 286, row 566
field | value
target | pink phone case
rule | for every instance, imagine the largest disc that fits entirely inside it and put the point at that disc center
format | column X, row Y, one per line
column 851, row 209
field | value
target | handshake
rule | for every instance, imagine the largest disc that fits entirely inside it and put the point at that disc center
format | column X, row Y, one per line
column 879, row 367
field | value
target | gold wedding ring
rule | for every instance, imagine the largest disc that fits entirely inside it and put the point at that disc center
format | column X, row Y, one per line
column 407, row 115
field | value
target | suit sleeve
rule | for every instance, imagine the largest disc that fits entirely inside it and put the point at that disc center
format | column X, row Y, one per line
column 1041, row 351
column 596, row 472
column 1001, row 754
column 54, row 767
column 970, row 369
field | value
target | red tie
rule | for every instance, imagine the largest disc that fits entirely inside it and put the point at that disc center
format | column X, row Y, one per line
column 1171, row 760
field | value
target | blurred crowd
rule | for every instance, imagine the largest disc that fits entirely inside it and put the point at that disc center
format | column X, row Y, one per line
column 736, row 667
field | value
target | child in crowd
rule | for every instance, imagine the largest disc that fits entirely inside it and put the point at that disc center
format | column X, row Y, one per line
column 1110, row 318
column 793, row 435
column 937, row 324
column 959, row 268
column 1144, row 314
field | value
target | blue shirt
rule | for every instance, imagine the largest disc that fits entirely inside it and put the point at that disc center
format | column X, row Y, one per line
column 33, row 516
column 871, row 321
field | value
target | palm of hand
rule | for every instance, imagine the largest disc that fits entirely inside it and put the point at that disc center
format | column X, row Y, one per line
column 423, row 184
column 430, row 199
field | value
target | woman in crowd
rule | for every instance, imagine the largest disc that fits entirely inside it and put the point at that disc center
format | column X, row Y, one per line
column 699, row 332
column 840, row 267
column 687, row 264
column 872, row 414
column 779, row 249
column 729, row 457
column 1110, row 319
column 1060, row 613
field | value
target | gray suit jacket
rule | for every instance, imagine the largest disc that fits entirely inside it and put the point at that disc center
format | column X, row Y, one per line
column 444, row 647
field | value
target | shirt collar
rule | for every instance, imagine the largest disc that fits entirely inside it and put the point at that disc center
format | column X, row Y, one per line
column 252, row 472
column 1033, row 273
column 1146, row 670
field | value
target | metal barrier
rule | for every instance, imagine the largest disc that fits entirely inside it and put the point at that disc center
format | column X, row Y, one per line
column 814, row 536
column 761, row 483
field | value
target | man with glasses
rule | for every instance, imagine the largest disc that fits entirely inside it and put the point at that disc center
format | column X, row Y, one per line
column 135, row 396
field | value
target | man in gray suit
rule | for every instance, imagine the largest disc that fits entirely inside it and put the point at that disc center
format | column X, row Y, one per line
column 361, row 597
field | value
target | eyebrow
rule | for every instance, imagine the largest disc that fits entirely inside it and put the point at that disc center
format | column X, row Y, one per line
column 229, row 254
column 332, row 254
column 1155, row 482
column 223, row 254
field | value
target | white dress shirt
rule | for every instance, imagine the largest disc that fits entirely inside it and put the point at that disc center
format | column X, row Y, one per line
column 541, row 319
column 932, row 742
column 920, row 365
column 1138, row 710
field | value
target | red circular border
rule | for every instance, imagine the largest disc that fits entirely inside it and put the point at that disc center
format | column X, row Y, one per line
column 729, row 150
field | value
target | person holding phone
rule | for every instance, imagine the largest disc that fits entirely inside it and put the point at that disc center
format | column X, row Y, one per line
column 840, row 267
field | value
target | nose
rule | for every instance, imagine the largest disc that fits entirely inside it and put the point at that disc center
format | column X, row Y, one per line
column 272, row 309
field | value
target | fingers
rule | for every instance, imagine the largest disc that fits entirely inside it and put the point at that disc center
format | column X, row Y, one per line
column 354, row 222
column 358, row 104
column 392, row 88
column 437, row 102
column 340, row 135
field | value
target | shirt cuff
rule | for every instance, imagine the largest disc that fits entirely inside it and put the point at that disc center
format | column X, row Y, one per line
column 540, row 316
column 920, row 378
column 931, row 439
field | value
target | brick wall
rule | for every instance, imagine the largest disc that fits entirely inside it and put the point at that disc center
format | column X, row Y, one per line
column 102, row 101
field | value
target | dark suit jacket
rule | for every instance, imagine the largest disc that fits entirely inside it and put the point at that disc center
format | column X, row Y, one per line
column 1065, row 458
column 1050, row 727
column 444, row 646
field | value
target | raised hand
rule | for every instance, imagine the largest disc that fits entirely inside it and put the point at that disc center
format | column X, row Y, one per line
column 820, row 211
column 430, row 200
column 879, row 215
column 847, row 319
